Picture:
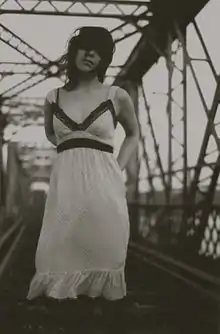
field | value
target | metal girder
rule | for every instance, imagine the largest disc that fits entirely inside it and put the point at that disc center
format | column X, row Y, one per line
column 42, row 63
column 196, row 194
column 201, row 198
column 29, row 110
column 196, row 219
column 24, row 85
column 177, row 117
column 211, row 129
column 154, row 39
column 21, row 102
column 14, row 41
column 166, row 177
column 10, row 68
column 129, row 11
column 20, row 110
column 2, row 183
column 135, row 15
column 33, row 80
column 44, row 67
column 146, row 158
column 158, row 161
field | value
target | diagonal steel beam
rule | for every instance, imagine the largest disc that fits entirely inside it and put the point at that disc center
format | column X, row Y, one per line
column 17, row 102
column 146, row 160
column 10, row 68
column 208, row 132
column 197, row 220
column 9, row 93
column 33, row 55
column 17, row 43
column 45, row 65
column 156, row 146
column 36, row 57
column 156, row 34
column 205, row 49
column 26, row 84
column 7, row 68
column 210, row 129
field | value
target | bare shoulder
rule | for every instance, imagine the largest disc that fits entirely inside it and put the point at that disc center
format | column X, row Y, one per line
column 120, row 98
column 51, row 95
column 123, row 101
column 121, row 94
column 126, row 112
column 50, row 98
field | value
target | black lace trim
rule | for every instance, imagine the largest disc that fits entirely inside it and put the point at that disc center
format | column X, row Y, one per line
column 97, row 112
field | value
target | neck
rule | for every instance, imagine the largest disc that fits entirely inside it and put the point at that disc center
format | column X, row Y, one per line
column 87, row 80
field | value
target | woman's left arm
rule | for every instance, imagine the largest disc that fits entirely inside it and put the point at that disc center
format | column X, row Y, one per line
column 127, row 118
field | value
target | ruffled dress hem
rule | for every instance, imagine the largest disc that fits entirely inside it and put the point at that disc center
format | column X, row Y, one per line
column 108, row 284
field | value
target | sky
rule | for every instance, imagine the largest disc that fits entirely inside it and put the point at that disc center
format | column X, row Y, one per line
column 50, row 35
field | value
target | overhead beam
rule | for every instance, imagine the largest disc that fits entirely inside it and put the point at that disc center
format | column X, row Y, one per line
column 124, row 10
column 18, row 44
column 153, row 43
column 48, row 68
column 114, row 2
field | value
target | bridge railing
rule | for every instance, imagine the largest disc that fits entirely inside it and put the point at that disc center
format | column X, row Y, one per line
column 163, row 229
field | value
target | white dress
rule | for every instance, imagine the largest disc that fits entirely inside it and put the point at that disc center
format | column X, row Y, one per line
column 82, row 246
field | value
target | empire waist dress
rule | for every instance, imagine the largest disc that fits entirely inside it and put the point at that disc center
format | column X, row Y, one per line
column 83, row 241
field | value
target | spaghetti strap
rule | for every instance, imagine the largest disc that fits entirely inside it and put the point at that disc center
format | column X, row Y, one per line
column 96, row 113
column 57, row 98
column 112, row 92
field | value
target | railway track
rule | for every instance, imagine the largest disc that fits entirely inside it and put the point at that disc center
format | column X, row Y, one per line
column 160, row 299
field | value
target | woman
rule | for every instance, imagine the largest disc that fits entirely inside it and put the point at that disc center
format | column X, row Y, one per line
column 83, row 241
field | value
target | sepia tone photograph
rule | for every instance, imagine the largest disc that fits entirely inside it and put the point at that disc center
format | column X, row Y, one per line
column 109, row 167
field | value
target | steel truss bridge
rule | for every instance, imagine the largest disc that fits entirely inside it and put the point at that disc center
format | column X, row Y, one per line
column 175, row 231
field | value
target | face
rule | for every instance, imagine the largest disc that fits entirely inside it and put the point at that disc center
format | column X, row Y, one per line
column 87, row 60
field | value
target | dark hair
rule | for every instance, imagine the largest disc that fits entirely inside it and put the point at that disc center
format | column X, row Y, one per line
column 89, row 38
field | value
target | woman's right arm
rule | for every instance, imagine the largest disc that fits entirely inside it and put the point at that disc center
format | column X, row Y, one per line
column 48, row 122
